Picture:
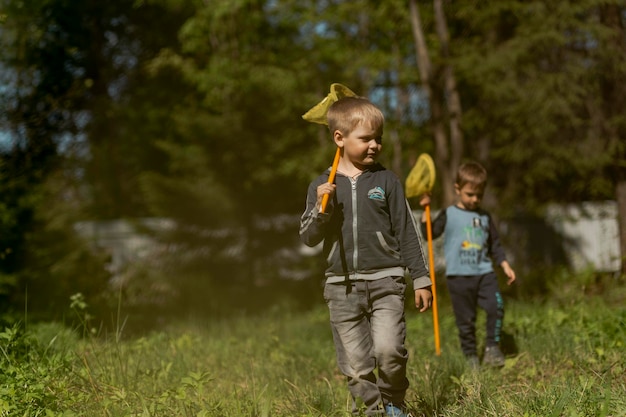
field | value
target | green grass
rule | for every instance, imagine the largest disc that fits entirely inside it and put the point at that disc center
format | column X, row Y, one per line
column 570, row 361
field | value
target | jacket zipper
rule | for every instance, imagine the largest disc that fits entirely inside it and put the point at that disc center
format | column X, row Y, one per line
column 355, row 232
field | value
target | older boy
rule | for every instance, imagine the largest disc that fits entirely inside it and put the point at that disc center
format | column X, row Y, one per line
column 471, row 242
column 370, row 239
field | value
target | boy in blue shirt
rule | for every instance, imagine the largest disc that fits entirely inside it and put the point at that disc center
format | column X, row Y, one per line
column 370, row 239
column 471, row 246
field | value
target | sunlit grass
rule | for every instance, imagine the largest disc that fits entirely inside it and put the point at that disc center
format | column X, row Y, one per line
column 571, row 361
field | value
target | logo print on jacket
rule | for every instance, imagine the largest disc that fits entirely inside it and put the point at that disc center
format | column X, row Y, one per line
column 376, row 193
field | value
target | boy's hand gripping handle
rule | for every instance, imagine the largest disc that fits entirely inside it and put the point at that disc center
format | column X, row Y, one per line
column 331, row 179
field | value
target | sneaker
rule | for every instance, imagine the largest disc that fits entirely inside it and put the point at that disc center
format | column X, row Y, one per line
column 493, row 357
column 393, row 411
column 473, row 362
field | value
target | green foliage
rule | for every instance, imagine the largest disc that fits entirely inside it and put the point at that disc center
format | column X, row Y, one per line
column 58, row 263
column 531, row 99
column 199, row 120
column 63, row 73
column 34, row 375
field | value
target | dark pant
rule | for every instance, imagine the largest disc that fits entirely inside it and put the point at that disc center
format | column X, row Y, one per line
column 468, row 292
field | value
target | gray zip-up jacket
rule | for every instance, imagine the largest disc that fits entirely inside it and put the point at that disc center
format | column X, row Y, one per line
column 368, row 229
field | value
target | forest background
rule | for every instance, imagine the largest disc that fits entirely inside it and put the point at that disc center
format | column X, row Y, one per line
column 190, row 111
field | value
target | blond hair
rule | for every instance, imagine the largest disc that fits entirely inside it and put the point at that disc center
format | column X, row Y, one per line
column 349, row 112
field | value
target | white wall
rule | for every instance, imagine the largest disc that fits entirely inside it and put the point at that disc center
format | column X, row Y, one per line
column 591, row 234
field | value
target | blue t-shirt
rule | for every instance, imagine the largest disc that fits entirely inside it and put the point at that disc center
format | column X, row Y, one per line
column 471, row 241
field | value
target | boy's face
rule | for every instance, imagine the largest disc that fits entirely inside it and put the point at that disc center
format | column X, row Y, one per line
column 470, row 196
column 361, row 146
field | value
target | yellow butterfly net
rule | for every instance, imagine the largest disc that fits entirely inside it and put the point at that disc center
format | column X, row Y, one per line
column 421, row 179
column 317, row 114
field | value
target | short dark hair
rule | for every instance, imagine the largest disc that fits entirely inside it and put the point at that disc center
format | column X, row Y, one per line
column 471, row 173
column 348, row 112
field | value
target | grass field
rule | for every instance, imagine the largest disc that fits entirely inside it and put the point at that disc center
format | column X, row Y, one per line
column 566, row 357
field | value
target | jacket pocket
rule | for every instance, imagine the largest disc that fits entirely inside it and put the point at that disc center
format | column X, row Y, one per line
column 386, row 247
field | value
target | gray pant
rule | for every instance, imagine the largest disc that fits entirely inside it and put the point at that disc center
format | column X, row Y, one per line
column 369, row 330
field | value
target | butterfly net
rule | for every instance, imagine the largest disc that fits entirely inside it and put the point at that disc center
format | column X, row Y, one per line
column 317, row 114
column 422, row 177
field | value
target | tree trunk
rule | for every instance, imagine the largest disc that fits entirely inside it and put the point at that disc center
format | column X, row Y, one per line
column 396, row 143
column 448, row 153
column 453, row 100
column 424, row 67
column 614, row 97
column 620, row 193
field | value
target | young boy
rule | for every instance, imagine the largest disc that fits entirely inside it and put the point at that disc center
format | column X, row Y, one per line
column 471, row 242
column 370, row 239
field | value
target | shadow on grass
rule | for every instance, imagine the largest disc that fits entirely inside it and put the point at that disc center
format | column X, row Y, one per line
column 207, row 301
